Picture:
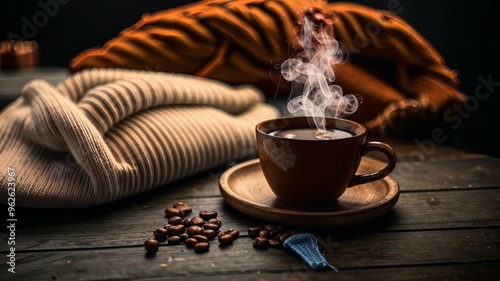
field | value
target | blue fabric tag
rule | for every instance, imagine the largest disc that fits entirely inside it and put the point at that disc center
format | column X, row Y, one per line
column 305, row 245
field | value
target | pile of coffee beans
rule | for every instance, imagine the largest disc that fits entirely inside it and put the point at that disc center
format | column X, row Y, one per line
column 195, row 232
column 269, row 235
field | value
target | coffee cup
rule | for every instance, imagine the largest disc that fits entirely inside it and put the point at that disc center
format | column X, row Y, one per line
column 310, row 168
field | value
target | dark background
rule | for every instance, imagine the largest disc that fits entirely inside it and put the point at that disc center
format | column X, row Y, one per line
column 465, row 33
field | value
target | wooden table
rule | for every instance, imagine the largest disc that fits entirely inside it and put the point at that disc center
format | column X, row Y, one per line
column 445, row 226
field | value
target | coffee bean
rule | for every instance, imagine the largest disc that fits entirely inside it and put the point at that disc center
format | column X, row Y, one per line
column 276, row 231
column 160, row 233
column 186, row 222
column 175, row 220
column 264, row 233
column 201, row 246
column 200, row 238
column 172, row 212
column 197, row 221
column 260, row 242
column 226, row 239
column 254, row 231
column 234, row 232
column 176, row 230
column 151, row 245
column 183, row 237
column 190, row 242
column 284, row 236
column 206, row 215
column 209, row 233
column 270, row 227
column 211, row 226
column 215, row 221
column 194, row 230
column 269, row 235
column 185, row 211
column 223, row 232
column 174, row 240
column 183, row 208
column 197, row 231
column 274, row 242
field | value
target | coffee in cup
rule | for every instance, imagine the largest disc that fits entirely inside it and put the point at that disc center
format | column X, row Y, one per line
column 310, row 168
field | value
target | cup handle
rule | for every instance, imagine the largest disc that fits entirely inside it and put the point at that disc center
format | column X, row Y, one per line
column 391, row 163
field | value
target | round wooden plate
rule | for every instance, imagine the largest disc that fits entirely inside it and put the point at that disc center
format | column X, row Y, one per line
column 244, row 187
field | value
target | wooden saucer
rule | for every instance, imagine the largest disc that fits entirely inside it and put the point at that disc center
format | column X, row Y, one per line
column 244, row 187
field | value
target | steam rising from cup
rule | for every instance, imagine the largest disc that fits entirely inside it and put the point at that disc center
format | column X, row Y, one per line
column 312, row 78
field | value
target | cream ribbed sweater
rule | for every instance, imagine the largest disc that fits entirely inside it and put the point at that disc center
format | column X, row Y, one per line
column 104, row 134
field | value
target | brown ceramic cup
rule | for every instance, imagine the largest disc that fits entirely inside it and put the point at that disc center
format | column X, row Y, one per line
column 314, row 173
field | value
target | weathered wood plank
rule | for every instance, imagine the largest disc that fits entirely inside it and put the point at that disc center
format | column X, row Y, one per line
column 398, row 250
column 476, row 171
column 445, row 209
column 475, row 272
column 434, row 175
column 482, row 272
column 130, row 222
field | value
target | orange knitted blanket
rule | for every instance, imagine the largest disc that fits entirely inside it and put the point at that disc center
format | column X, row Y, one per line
column 397, row 74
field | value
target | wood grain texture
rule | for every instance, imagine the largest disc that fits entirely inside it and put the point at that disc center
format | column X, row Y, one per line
column 479, row 172
column 436, row 234
column 348, row 251
column 130, row 223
